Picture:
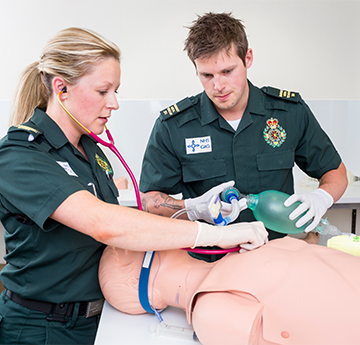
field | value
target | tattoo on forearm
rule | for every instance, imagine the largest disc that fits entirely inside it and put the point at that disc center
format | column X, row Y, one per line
column 158, row 201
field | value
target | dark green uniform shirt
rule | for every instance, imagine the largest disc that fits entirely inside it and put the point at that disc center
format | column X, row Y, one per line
column 39, row 169
column 192, row 148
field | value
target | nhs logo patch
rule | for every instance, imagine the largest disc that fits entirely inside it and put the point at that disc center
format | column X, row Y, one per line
column 198, row 145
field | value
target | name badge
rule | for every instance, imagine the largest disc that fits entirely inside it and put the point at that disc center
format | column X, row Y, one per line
column 66, row 166
column 198, row 145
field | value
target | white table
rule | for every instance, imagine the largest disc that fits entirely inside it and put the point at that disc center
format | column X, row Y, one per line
column 124, row 329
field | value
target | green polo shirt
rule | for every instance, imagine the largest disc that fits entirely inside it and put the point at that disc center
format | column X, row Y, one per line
column 192, row 148
column 39, row 169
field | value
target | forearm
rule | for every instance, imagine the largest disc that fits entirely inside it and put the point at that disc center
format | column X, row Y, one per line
column 335, row 182
column 138, row 230
column 122, row 226
column 161, row 204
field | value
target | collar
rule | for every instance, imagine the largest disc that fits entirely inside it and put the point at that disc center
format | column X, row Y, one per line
column 52, row 132
column 254, row 106
column 207, row 110
column 255, row 102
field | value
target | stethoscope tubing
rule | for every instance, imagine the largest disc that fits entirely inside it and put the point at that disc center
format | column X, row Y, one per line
column 111, row 146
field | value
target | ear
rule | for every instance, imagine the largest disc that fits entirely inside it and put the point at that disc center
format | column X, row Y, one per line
column 249, row 58
column 58, row 84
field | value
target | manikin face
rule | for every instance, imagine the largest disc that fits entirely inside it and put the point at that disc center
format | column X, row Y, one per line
column 93, row 97
column 224, row 79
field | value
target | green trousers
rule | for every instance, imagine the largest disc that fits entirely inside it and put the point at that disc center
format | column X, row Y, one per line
column 23, row 326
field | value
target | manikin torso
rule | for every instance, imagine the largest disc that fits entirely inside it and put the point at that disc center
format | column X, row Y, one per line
column 286, row 292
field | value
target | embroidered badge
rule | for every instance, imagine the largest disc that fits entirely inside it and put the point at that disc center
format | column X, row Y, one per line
column 103, row 164
column 198, row 145
column 27, row 128
column 273, row 133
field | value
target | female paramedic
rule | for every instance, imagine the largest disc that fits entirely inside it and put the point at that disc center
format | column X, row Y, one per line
column 58, row 200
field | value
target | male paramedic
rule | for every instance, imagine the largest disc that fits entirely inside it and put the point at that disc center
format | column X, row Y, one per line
column 235, row 131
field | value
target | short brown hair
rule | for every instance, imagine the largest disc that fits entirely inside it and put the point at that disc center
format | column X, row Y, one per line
column 213, row 32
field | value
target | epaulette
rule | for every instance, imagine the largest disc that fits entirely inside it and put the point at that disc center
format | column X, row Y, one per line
column 25, row 132
column 282, row 94
column 176, row 108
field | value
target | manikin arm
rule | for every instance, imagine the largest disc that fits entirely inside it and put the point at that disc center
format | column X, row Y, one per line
column 221, row 312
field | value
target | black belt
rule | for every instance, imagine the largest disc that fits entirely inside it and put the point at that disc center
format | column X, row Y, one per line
column 58, row 311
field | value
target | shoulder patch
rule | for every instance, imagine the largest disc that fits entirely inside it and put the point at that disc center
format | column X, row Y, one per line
column 282, row 94
column 26, row 132
column 175, row 109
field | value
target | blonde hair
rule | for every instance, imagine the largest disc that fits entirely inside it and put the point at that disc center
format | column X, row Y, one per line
column 71, row 54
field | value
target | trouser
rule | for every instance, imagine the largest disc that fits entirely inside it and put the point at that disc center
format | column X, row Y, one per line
column 23, row 326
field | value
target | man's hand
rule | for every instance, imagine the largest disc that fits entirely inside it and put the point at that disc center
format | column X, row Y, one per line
column 315, row 204
column 197, row 208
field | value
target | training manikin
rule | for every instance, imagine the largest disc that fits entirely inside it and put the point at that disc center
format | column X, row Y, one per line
column 286, row 292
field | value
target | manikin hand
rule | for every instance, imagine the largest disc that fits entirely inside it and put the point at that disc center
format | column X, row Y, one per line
column 248, row 235
column 197, row 207
column 315, row 203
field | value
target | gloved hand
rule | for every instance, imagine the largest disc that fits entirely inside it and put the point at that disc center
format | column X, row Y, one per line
column 248, row 235
column 316, row 203
column 197, row 207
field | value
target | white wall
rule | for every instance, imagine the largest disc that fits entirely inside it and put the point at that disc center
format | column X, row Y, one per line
column 307, row 46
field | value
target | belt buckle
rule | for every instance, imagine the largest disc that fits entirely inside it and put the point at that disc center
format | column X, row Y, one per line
column 61, row 312
column 94, row 308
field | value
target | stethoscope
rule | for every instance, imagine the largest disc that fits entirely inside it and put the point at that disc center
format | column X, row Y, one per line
column 110, row 145
column 149, row 255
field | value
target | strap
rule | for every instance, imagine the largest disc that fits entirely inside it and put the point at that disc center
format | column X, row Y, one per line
column 21, row 218
column 144, row 281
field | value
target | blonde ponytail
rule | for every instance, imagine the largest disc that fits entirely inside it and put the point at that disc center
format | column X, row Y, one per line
column 29, row 94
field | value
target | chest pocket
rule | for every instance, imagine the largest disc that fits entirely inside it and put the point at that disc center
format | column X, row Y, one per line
column 275, row 170
column 203, row 170
column 109, row 191
column 275, row 161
